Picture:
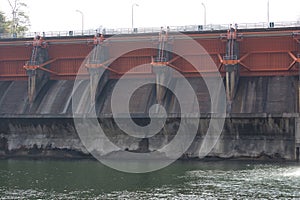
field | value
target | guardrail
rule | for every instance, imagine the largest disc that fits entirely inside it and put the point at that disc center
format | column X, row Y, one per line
column 187, row 28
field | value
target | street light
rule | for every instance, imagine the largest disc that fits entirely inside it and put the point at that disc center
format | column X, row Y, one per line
column 268, row 13
column 81, row 20
column 204, row 13
column 132, row 13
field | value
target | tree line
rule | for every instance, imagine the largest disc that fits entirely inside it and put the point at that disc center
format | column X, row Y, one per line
column 18, row 22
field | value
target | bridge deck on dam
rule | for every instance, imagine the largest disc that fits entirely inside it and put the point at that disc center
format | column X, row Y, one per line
column 261, row 52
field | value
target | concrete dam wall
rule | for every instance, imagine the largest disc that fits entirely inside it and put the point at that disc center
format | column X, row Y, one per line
column 261, row 121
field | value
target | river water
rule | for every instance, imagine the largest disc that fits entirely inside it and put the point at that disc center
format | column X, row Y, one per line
column 88, row 179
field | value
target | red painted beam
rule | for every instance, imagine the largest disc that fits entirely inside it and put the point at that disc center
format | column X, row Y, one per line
column 262, row 53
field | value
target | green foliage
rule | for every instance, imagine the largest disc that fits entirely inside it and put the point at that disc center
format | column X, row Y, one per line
column 20, row 22
column 4, row 25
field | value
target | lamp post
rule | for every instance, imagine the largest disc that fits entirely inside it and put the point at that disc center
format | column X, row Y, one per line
column 268, row 13
column 81, row 20
column 132, row 14
column 204, row 13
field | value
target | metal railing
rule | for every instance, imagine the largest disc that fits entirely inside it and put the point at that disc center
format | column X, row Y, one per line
column 210, row 27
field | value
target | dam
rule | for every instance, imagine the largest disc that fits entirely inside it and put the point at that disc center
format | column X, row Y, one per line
column 258, row 69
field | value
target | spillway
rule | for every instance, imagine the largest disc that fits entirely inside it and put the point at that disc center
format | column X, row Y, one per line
column 261, row 123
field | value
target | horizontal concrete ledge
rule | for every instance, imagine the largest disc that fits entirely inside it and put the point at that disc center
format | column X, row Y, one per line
column 263, row 115
column 144, row 115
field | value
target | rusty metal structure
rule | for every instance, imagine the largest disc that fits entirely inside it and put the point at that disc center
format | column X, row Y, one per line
column 249, row 52
column 261, row 53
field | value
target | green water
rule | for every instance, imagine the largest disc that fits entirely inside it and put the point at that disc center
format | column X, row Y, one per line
column 87, row 179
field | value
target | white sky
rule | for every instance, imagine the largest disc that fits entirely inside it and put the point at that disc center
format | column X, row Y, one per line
column 55, row 15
